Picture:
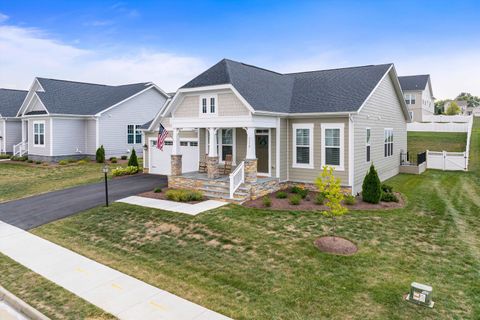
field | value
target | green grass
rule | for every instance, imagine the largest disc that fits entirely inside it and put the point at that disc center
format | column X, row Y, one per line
column 260, row 264
column 435, row 141
column 50, row 299
column 18, row 180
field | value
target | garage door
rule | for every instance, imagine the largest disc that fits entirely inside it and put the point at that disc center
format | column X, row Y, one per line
column 160, row 161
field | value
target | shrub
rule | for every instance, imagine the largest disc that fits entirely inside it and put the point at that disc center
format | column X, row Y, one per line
column 30, row 161
column 17, row 158
column 267, row 202
column 133, row 161
column 38, row 162
column 387, row 188
column 157, row 190
column 63, row 162
column 124, row 157
column 124, row 171
column 114, row 161
column 5, row 156
column 453, row 109
column 83, row 161
column 281, row 195
column 112, row 158
column 371, row 188
column 100, row 155
column 295, row 199
column 302, row 192
column 181, row 195
column 320, row 198
column 350, row 199
column 389, row 197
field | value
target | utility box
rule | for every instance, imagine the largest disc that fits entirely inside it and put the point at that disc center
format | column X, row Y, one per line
column 420, row 294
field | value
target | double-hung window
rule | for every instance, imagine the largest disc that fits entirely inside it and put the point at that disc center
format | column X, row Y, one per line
column 208, row 105
column 332, row 145
column 409, row 98
column 302, row 145
column 227, row 143
column 368, row 145
column 134, row 135
column 39, row 133
column 388, row 142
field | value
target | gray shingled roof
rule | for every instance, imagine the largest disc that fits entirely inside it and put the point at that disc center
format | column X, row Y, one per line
column 418, row 82
column 11, row 101
column 146, row 125
column 335, row 90
column 69, row 97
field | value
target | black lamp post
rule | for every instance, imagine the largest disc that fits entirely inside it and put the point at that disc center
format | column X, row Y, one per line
column 105, row 172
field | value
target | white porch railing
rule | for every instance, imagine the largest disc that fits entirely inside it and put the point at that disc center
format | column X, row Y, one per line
column 237, row 177
column 20, row 149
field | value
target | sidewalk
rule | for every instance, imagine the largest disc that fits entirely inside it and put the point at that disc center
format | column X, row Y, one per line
column 191, row 209
column 117, row 293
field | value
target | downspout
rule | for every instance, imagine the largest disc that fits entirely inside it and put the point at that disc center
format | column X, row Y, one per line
column 351, row 152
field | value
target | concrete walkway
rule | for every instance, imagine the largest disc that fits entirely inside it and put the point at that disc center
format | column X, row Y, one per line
column 191, row 209
column 117, row 293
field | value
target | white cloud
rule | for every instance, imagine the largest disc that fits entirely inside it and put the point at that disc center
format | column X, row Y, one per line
column 3, row 17
column 27, row 53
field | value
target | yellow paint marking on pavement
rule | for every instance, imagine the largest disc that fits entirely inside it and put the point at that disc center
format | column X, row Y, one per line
column 158, row 305
column 116, row 286
column 80, row 270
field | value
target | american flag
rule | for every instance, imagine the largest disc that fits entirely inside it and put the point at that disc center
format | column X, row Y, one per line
column 162, row 135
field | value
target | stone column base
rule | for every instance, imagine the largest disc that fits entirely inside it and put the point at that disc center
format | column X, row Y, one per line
column 176, row 163
column 250, row 171
column 212, row 168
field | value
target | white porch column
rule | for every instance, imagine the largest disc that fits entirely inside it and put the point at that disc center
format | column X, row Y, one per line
column 212, row 136
column 176, row 157
column 251, row 153
column 176, row 142
column 251, row 158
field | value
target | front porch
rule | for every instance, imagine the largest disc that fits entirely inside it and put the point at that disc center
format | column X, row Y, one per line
column 250, row 174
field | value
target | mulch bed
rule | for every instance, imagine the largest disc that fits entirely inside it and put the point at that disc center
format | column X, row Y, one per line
column 305, row 205
column 162, row 196
column 336, row 245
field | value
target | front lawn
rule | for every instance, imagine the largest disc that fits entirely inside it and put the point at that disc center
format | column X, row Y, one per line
column 435, row 141
column 18, row 180
column 261, row 264
column 45, row 296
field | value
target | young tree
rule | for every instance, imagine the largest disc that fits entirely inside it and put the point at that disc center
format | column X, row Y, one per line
column 330, row 187
column 453, row 109
column 133, row 161
column 372, row 187
column 100, row 155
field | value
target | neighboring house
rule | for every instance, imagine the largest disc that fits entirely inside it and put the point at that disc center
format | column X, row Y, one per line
column 10, row 125
column 418, row 94
column 281, row 128
column 66, row 119
column 462, row 104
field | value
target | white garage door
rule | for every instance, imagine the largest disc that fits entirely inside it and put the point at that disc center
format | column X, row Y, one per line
column 160, row 161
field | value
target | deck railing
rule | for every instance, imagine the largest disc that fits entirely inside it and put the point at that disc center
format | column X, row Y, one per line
column 237, row 177
column 20, row 149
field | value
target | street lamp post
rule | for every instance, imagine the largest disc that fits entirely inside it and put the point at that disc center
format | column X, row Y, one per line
column 105, row 172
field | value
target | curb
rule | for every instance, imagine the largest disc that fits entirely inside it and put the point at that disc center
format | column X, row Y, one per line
column 20, row 306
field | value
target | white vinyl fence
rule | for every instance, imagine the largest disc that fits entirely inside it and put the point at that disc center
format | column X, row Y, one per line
column 451, row 161
column 437, row 126
column 444, row 118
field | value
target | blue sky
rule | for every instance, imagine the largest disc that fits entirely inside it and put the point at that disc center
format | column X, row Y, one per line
column 171, row 41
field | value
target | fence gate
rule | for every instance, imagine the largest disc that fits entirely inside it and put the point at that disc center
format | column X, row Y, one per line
column 443, row 160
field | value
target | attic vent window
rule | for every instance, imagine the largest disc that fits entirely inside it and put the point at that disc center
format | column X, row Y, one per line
column 208, row 105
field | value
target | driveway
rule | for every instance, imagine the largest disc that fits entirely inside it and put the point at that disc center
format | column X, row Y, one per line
column 35, row 211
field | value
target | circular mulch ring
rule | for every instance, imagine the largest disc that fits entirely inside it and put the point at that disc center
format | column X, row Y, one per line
column 336, row 245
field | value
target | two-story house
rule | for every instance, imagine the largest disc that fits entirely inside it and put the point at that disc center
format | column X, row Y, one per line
column 418, row 94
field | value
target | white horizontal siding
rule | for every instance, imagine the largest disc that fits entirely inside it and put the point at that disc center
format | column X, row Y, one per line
column 13, row 134
column 68, row 137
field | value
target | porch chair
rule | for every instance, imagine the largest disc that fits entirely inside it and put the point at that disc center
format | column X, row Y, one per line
column 202, row 164
column 227, row 168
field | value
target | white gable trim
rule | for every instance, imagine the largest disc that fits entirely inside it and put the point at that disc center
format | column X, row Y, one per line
column 172, row 106
column 398, row 90
column 30, row 95
column 34, row 95
column 131, row 97
column 159, row 115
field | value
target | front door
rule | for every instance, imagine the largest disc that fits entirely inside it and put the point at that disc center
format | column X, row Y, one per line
column 261, row 148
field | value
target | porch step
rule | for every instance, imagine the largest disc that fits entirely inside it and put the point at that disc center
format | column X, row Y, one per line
column 223, row 192
column 226, row 197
